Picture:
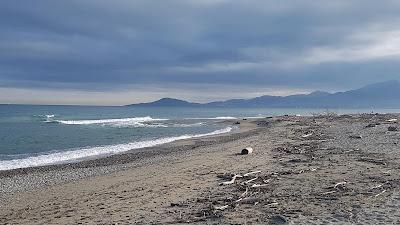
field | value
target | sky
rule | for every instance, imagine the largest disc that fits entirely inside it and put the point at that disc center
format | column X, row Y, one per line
column 101, row 52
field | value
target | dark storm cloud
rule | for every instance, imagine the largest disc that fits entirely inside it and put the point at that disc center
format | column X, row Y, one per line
column 110, row 44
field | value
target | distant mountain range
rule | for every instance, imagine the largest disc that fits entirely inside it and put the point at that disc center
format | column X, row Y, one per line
column 385, row 94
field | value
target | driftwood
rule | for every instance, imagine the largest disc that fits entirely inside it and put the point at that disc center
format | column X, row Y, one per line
column 251, row 173
column 232, row 181
column 340, row 184
column 380, row 193
column 249, row 181
column 378, row 186
column 329, row 192
column 245, row 193
column 221, row 207
column 259, row 185
column 247, row 151
column 307, row 135
column 249, row 200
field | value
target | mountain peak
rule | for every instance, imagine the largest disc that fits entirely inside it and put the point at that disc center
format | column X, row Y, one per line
column 167, row 102
column 384, row 94
column 319, row 93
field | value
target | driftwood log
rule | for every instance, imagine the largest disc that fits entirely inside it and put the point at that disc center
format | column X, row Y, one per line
column 247, row 151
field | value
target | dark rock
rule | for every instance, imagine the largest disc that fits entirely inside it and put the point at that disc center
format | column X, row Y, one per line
column 372, row 125
column 278, row 219
column 355, row 136
column 392, row 128
column 237, row 122
column 263, row 123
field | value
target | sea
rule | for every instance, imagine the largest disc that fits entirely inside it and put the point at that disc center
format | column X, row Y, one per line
column 35, row 135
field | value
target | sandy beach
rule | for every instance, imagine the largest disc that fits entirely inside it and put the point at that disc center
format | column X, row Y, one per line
column 324, row 169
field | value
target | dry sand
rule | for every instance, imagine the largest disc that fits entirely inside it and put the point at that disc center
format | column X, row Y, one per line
column 314, row 170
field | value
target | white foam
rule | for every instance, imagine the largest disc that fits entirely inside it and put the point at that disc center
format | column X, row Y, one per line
column 123, row 122
column 49, row 118
column 66, row 156
column 109, row 121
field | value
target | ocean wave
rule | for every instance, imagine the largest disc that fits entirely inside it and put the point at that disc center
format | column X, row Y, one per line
column 123, row 122
column 73, row 155
column 109, row 121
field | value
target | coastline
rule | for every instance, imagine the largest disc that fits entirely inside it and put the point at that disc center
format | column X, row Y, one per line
column 30, row 178
column 331, row 176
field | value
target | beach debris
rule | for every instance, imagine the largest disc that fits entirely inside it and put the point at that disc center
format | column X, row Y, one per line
column 259, row 185
column 247, row 151
column 377, row 195
column 232, row 181
column 377, row 186
column 374, row 161
column 267, row 181
column 295, row 161
column 307, row 135
column 372, row 125
column 221, row 207
column 273, row 204
column 279, row 219
column 249, row 181
column 263, row 123
column 355, row 136
column 251, row 173
column 391, row 120
column 249, row 200
column 329, row 192
column 340, row 185
column 391, row 128
column 237, row 123
column 244, row 193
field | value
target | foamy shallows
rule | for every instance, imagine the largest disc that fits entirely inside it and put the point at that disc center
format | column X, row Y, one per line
column 82, row 153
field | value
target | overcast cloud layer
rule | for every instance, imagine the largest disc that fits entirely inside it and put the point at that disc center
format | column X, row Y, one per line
column 81, row 51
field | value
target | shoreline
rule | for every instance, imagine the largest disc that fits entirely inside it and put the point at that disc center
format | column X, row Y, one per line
column 102, row 151
column 102, row 165
column 319, row 169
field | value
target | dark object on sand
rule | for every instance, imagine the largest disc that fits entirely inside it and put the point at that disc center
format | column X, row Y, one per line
column 237, row 122
column 371, row 125
column 247, row 151
column 263, row 123
column 244, row 119
column 355, row 136
column 392, row 128
column 278, row 219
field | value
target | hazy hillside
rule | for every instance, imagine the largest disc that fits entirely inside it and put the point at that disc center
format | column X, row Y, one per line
column 385, row 94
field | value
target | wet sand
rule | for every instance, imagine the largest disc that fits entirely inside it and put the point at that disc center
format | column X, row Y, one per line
column 307, row 170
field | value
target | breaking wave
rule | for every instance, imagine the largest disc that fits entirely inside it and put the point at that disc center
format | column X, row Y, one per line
column 123, row 122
